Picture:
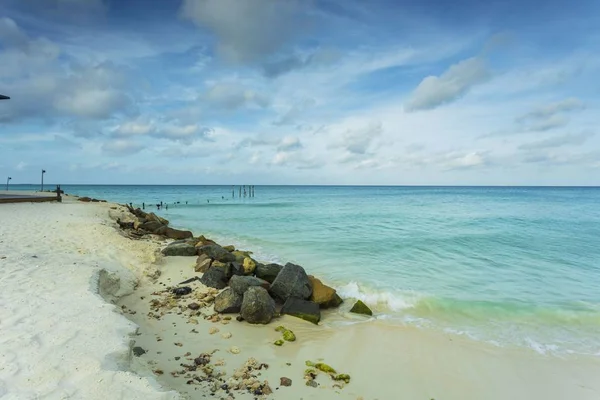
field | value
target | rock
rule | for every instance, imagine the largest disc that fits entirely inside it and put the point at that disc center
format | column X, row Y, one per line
column 361, row 308
column 215, row 278
column 239, row 318
column 323, row 295
column 84, row 199
column 218, row 264
column 203, row 241
column 229, row 248
column 306, row 310
column 267, row 272
column 283, row 381
column 228, row 301
column 216, row 252
column 289, row 336
column 312, row 383
column 257, row 306
column 202, row 263
column 241, row 283
column 213, row 330
column 173, row 233
column 249, row 266
column 182, row 291
column 325, row 368
column 138, row 351
column 179, row 249
column 292, row 281
column 226, row 335
column 151, row 226
column 154, row 217
column 234, row 350
column 193, row 306
column 342, row 377
column 278, row 342
column 240, row 255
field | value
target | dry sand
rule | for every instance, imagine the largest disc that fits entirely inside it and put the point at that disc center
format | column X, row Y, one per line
column 60, row 339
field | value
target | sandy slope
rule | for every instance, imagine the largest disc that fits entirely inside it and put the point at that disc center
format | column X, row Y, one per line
column 59, row 339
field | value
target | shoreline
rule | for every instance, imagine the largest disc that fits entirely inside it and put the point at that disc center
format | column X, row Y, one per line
column 424, row 363
column 385, row 361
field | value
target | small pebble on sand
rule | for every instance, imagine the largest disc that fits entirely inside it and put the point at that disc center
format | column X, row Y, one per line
column 234, row 350
column 226, row 335
column 213, row 330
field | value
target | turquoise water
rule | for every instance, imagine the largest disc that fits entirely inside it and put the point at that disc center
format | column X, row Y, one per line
column 511, row 266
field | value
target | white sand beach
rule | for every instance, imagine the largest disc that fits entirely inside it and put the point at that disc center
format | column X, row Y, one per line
column 60, row 339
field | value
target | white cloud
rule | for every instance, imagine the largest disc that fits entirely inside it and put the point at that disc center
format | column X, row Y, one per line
column 133, row 128
column 359, row 141
column 435, row 91
column 121, row 147
column 558, row 141
column 289, row 143
column 21, row 166
column 549, row 110
column 232, row 96
column 246, row 30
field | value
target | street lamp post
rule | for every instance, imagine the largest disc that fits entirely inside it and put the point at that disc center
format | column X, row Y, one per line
column 43, row 172
column 8, row 180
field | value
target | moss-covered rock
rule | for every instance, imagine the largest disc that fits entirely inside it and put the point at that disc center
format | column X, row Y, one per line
column 240, row 255
column 249, row 265
column 309, row 363
column 289, row 336
column 278, row 342
column 229, row 247
column 325, row 368
column 306, row 310
column 280, row 328
column 361, row 308
column 342, row 377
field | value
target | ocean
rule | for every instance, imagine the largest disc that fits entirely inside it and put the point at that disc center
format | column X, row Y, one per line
column 512, row 266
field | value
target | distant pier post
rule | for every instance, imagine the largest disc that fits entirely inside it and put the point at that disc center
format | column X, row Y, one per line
column 240, row 195
column 233, row 191
column 143, row 206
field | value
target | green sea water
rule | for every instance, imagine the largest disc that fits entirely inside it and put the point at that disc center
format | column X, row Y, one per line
column 509, row 266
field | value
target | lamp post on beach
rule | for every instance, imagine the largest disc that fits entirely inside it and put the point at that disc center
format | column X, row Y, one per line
column 43, row 172
column 8, row 180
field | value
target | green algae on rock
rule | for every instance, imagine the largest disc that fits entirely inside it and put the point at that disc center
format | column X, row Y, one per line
column 361, row 308
column 289, row 336
column 325, row 368
column 278, row 342
column 342, row 377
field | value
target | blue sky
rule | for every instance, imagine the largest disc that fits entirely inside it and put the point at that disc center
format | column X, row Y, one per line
column 300, row 92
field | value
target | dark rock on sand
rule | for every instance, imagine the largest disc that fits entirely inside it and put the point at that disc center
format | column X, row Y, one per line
column 361, row 308
column 283, row 381
column 215, row 278
column 138, row 351
column 257, row 306
column 292, row 281
column 323, row 295
column 154, row 217
column 216, row 252
column 202, row 263
column 182, row 291
column 194, row 306
column 228, row 301
column 151, row 226
column 241, row 283
column 306, row 310
column 268, row 272
column 179, row 249
column 173, row 233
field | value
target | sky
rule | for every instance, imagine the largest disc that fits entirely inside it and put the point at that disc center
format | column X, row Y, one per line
column 349, row 92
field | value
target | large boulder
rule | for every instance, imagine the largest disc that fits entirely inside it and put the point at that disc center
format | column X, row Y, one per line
column 257, row 306
column 361, row 308
column 267, row 272
column 202, row 263
column 292, row 281
column 241, row 255
column 215, row 278
column 228, row 301
column 203, row 241
column 323, row 295
column 241, row 283
column 306, row 310
column 154, row 217
column 179, row 249
column 216, row 252
column 174, row 233
column 151, row 226
column 230, row 268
